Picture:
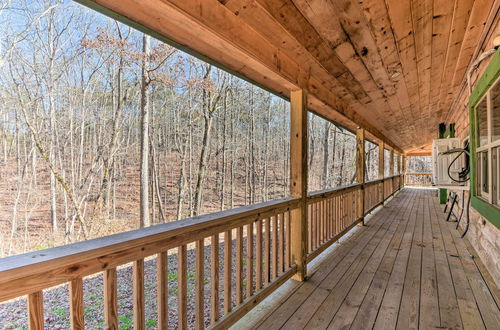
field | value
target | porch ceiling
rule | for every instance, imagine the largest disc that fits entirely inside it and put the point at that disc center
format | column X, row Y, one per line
column 394, row 67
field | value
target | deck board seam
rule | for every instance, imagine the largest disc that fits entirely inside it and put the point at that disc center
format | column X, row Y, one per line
column 406, row 225
column 401, row 227
column 444, row 230
column 389, row 219
column 403, row 259
column 477, row 300
column 409, row 222
column 412, row 247
column 343, row 249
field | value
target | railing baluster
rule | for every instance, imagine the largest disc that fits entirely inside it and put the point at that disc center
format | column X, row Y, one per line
column 35, row 310
column 227, row 271
column 309, row 228
column 332, row 217
column 323, row 221
column 76, row 308
column 249, row 259
column 317, row 230
column 182, row 286
column 258, row 252
column 287, row 244
column 138, row 283
column 313, row 226
column 336, row 215
column 325, row 214
column 214, row 278
column 200, row 284
column 275, row 246
column 267, row 251
column 341, row 213
column 110, row 299
column 330, row 227
column 320, row 223
column 239, row 265
column 281, row 240
column 344, row 210
column 162, row 289
column 316, row 225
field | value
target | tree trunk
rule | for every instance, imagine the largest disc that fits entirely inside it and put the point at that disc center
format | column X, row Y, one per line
column 202, row 165
column 326, row 150
column 144, row 189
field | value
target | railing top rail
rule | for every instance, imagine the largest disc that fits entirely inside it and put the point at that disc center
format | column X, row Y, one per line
column 372, row 182
column 112, row 250
column 333, row 191
column 341, row 189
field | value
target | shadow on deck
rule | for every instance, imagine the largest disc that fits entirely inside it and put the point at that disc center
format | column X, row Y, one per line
column 408, row 268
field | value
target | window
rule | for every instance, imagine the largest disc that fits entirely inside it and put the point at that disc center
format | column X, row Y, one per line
column 487, row 114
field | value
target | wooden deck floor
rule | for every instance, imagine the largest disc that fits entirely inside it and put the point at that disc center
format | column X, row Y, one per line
column 407, row 269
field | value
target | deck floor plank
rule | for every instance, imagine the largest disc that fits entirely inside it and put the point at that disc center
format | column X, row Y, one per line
column 367, row 313
column 341, row 280
column 407, row 269
column 474, row 295
column 387, row 315
column 462, row 306
column 409, row 309
column 387, row 251
column 345, row 254
column 429, row 302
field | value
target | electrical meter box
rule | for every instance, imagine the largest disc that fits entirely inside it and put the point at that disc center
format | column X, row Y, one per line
column 440, row 163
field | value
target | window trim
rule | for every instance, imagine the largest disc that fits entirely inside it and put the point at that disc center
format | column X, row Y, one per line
column 487, row 80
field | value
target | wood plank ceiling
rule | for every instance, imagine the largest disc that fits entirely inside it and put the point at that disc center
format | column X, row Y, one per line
column 391, row 66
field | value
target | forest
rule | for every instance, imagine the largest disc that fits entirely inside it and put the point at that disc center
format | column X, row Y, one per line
column 104, row 129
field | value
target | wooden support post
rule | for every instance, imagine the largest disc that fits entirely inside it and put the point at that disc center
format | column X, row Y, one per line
column 443, row 193
column 391, row 164
column 381, row 168
column 399, row 164
column 360, row 171
column 404, row 170
column 298, row 180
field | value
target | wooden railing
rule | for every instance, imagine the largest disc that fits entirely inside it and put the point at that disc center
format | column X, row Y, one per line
column 373, row 194
column 418, row 179
column 333, row 212
column 249, row 248
column 388, row 188
column 255, row 242
column 330, row 213
column 395, row 182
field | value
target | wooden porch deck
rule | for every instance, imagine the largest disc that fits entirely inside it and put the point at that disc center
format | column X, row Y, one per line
column 407, row 269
